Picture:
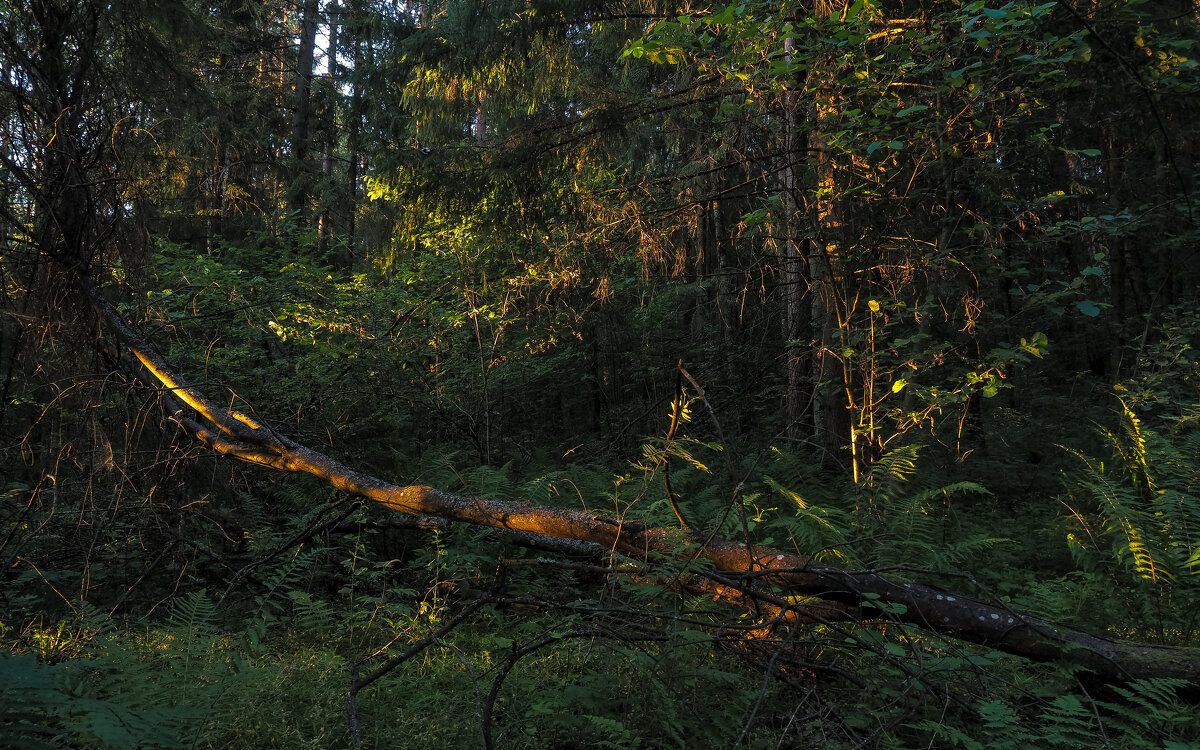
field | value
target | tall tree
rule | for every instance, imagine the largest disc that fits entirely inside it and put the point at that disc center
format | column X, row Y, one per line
column 301, row 188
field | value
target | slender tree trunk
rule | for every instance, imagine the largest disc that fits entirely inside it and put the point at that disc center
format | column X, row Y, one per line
column 795, row 316
column 325, row 222
column 214, row 196
column 481, row 118
column 354, row 121
column 302, row 104
column 832, row 379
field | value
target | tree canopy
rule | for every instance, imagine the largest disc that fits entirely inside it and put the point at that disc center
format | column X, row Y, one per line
column 556, row 374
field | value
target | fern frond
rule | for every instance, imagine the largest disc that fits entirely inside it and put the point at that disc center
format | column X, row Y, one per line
column 195, row 612
column 925, row 497
column 1004, row 727
column 814, row 528
column 1152, row 693
column 948, row 736
column 1144, row 561
column 315, row 617
column 280, row 579
column 1149, row 506
column 891, row 469
column 496, row 482
column 1068, row 722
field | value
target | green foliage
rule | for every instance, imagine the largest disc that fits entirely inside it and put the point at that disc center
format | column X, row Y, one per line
column 1161, row 386
column 1138, row 517
column 90, row 703
column 1149, row 719
column 883, row 521
column 529, row 218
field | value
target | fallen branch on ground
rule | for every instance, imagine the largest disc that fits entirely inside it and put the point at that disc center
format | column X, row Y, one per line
column 240, row 436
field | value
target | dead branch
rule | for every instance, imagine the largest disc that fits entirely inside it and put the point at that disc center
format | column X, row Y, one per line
column 242, row 437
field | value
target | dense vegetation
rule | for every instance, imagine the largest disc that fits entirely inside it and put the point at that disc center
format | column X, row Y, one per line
column 904, row 294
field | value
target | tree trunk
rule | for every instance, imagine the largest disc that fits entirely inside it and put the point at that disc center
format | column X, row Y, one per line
column 301, row 105
column 354, row 121
column 796, row 318
column 329, row 141
column 60, row 70
column 743, row 570
column 481, row 118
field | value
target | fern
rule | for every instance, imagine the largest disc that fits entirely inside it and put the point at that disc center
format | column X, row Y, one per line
column 614, row 734
column 194, row 612
column 948, row 736
column 802, row 474
column 555, row 488
column 279, row 581
column 580, row 486
column 1150, row 710
column 893, row 469
column 1004, row 726
column 1145, row 504
column 919, row 532
column 256, row 522
column 1067, row 722
column 193, row 616
column 314, row 617
column 1147, row 716
column 495, row 483
column 101, row 703
column 906, row 528
column 96, row 620
column 28, row 695
column 1151, row 693
column 815, row 529
column 438, row 469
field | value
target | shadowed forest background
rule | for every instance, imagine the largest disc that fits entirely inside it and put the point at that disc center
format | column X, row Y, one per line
column 753, row 352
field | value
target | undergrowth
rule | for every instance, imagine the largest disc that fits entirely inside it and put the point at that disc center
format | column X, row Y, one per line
column 570, row 653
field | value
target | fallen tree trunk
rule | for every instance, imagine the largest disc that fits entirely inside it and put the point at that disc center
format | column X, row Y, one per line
column 237, row 435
